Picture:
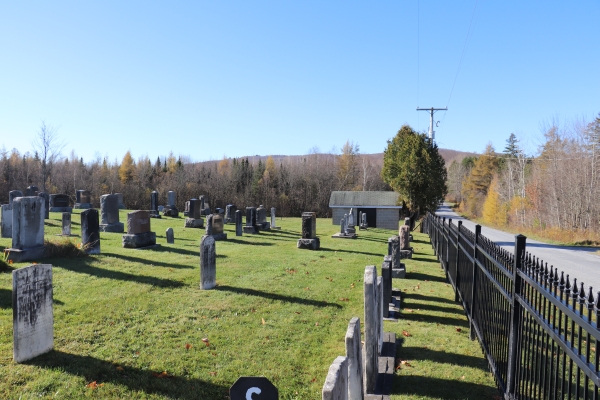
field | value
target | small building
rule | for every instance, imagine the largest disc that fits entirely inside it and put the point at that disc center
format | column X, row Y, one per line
column 382, row 208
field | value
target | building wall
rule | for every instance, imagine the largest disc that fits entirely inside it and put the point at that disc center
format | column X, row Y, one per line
column 387, row 218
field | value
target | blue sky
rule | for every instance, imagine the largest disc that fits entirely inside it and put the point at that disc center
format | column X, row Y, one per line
column 211, row 79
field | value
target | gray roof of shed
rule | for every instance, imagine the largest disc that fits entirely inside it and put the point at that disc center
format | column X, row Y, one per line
column 367, row 199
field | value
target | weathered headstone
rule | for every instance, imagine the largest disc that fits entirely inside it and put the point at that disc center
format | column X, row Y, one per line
column 336, row 383
column 60, row 203
column 154, row 213
column 109, row 214
column 273, row 219
column 186, row 209
column 27, row 229
column 371, row 347
column 214, row 227
column 230, row 210
column 394, row 256
column 83, row 199
column 13, row 194
column 405, row 249
column 90, row 231
column 355, row 364
column 238, row 223
column 170, row 236
column 261, row 218
column 32, row 191
column 138, row 231
column 363, row 221
column 208, row 263
column 171, row 209
column 344, row 232
column 386, row 275
column 33, row 319
column 251, row 226
column 194, row 217
column 120, row 198
column 6, row 212
column 46, row 198
column 309, row 238
column 66, row 224
column 350, row 227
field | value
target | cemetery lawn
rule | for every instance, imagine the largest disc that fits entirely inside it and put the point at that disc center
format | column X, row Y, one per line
column 134, row 323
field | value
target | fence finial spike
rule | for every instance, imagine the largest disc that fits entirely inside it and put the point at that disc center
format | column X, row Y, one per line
column 590, row 297
column 562, row 278
column 582, row 292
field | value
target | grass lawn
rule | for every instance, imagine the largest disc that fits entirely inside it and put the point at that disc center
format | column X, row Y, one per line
column 136, row 323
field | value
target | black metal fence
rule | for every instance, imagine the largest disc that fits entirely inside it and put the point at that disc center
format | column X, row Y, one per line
column 538, row 330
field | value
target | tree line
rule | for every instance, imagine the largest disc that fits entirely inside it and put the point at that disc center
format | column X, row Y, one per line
column 556, row 189
column 292, row 184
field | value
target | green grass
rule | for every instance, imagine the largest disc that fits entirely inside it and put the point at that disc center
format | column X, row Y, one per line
column 133, row 321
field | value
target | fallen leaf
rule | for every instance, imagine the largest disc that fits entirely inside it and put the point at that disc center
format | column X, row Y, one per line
column 405, row 333
column 313, row 380
column 263, row 321
column 462, row 377
column 408, row 310
column 205, row 340
column 317, row 324
column 188, row 346
column 253, row 310
column 10, row 262
column 297, row 312
column 307, row 288
column 93, row 385
column 458, row 329
column 161, row 375
column 344, row 299
column 213, row 373
column 119, row 368
column 307, row 272
column 352, row 286
column 330, row 279
column 340, row 259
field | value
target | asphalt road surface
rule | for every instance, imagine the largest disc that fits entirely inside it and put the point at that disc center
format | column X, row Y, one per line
column 582, row 263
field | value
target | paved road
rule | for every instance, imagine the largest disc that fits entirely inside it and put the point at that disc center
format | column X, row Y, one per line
column 582, row 263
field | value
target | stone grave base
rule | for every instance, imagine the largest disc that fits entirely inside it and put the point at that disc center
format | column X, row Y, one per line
column 386, row 367
column 71, row 235
column 250, row 229
column 185, row 213
column 171, row 212
column 399, row 273
column 410, row 237
column 194, row 223
column 264, row 226
column 154, row 214
column 363, row 227
column 277, row 228
column 340, row 235
column 351, row 229
column 310, row 244
column 394, row 306
column 220, row 236
column 83, row 206
column 118, row 227
column 61, row 209
column 406, row 254
column 139, row 240
column 30, row 254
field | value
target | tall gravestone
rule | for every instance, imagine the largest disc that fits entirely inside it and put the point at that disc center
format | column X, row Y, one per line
column 336, row 383
column 371, row 347
column 214, row 227
column 274, row 219
column 208, row 263
column 60, row 203
column 83, row 199
column 194, row 217
column 261, row 218
column 251, row 226
column 6, row 214
column 109, row 214
column 13, row 194
column 170, row 236
column 355, row 362
column 33, row 319
column 405, row 249
column 345, row 232
column 363, row 221
column 350, row 227
column 27, row 229
column 138, row 233
column 394, row 256
column 171, row 209
column 90, row 231
column 309, row 238
column 238, row 223
column 186, row 209
column 154, row 213
column 46, row 198
column 230, row 210
column 66, row 224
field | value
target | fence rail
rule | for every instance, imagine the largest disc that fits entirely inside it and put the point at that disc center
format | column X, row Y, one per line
column 539, row 331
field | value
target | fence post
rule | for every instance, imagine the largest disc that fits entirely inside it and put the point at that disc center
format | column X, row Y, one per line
column 474, row 283
column 444, row 253
column 515, row 316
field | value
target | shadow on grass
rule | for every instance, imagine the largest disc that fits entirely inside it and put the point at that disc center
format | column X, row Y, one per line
column 450, row 321
column 353, row 252
column 422, row 297
column 134, row 379
column 442, row 357
column 421, row 306
column 84, row 266
column 275, row 296
column 420, row 241
column 5, row 298
column 435, row 388
column 154, row 262
column 238, row 241
column 383, row 241
column 431, row 260
column 424, row 277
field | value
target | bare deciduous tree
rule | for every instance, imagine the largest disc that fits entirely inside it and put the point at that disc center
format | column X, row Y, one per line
column 48, row 146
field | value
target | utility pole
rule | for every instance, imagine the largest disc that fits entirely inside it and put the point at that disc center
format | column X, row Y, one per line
column 431, row 111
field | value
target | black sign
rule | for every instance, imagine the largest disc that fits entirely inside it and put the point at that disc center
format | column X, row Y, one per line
column 253, row 388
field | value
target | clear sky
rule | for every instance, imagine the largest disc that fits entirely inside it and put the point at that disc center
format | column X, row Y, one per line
column 207, row 79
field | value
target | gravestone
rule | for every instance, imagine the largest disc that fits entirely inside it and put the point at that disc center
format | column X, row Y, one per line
column 33, row 319
column 371, row 321
column 203, row 204
column 208, row 263
column 230, row 210
column 171, row 209
column 161, row 209
column 394, row 256
column 350, row 227
column 344, row 232
column 83, row 199
column 109, row 214
column 32, row 191
column 66, row 224
column 154, row 213
column 27, row 229
column 250, row 226
column 273, row 219
column 13, row 194
column 355, row 364
column 186, row 209
column 238, row 223
column 386, row 275
column 214, row 227
column 336, row 383
column 405, row 249
column 261, row 218
column 170, row 236
column 60, row 203
column 120, row 198
column 194, row 217
column 138, row 231
column 6, row 212
column 90, row 231
column 309, row 238
column 363, row 221
column 46, row 198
